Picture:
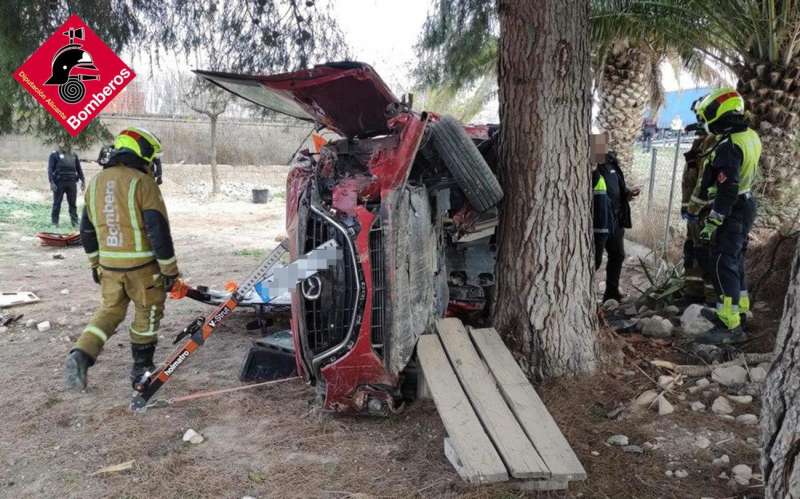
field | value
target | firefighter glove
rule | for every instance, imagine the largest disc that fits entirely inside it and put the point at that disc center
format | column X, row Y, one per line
column 95, row 275
column 713, row 221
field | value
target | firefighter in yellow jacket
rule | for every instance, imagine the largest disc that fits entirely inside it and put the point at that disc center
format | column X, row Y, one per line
column 126, row 235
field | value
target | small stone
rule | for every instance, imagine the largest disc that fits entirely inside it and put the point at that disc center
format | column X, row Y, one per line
column 58, row 256
column 664, row 406
column 747, row 419
column 681, row 473
column 30, row 323
column 649, row 446
column 692, row 321
column 721, row 406
column 65, row 291
column 723, row 460
column 43, row 326
column 644, row 400
column 702, row 442
column 723, row 476
column 72, row 310
column 643, row 310
column 695, row 389
column 729, row 376
column 665, row 381
column 595, row 453
column 752, row 440
column 742, row 474
column 610, row 305
column 758, row 374
column 672, row 310
column 697, row 406
column 656, row 327
column 702, row 382
column 632, row 449
column 741, row 399
column 668, row 473
column 618, row 440
column 727, row 417
column 193, row 437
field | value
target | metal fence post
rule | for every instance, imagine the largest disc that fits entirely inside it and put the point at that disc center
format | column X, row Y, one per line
column 671, row 192
column 652, row 185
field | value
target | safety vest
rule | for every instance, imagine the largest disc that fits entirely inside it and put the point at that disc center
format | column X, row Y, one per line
column 750, row 144
column 115, row 200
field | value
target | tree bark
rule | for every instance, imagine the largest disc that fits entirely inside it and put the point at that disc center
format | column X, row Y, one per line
column 545, row 305
column 780, row 412
column 623, row 94
column 772, row 97
column 215, row 188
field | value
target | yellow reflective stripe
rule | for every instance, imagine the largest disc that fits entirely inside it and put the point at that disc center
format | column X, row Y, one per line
column 97, row 332
column 125, row 254
column 92, row 198
column 92, row 255
column 168, row 261
column 132, row 212
column 149, row 333
column 600, row 186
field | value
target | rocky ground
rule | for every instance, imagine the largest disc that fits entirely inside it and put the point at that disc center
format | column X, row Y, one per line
column 640, row 431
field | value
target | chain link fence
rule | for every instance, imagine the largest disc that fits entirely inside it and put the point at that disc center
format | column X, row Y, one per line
column 657, row 169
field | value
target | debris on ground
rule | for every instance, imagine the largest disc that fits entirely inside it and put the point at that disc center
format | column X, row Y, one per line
column 17, row 298
column 65, row 291
column 742, row 473
column 9, row 319
column 692, row 321
column 116, row 468
column 58, row 256
column 43, row 326
column 193, row 437
column 747, row 419
column 618, row 440
column 721, row 406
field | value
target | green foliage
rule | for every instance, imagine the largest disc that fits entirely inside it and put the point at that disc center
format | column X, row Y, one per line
column 24, row 215
column 458, row 44
column 464, row 104
column 255, row 253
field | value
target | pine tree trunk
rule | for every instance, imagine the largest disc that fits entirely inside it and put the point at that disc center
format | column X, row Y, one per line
column 215, row 188
column 772, row 96
column 545, row 307
column 624, row 92
column 780, row 413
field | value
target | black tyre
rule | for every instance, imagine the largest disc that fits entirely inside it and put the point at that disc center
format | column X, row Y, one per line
column 466, row 164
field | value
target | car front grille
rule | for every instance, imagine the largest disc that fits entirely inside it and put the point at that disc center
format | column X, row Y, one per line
column 376, row 259
column 330, row 318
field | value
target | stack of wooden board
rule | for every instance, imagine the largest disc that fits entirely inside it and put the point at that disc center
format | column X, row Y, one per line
column 498, row 429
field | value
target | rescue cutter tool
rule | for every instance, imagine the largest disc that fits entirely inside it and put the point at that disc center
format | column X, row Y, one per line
column 268, row 275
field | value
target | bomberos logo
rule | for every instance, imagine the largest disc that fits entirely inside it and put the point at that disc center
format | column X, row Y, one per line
column 74, row 75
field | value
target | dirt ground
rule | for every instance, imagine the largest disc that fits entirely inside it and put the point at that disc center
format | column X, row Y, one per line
column 272, row 441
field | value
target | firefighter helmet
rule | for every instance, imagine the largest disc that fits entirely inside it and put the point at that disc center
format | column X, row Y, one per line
column 140, row 142
column 717, row 104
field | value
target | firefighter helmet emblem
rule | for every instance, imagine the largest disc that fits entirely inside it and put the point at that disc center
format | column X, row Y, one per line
column 71, row 66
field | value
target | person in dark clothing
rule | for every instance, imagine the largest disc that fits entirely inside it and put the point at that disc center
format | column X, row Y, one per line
column 64, row 172
column 619, row 197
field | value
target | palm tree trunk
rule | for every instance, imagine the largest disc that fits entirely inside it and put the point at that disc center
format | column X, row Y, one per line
column 545, row 305
column 780, row 414
column 772, row 96
column 624, row 92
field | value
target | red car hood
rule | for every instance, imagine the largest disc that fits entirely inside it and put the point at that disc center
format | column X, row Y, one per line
column 346, row 97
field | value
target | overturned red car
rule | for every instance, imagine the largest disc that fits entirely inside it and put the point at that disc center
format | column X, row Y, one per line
column 411, row 199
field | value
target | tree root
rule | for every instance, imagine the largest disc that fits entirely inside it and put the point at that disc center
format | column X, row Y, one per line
column 743, row 359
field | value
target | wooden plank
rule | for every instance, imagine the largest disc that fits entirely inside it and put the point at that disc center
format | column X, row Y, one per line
column 528, row 408
column 471, row 451
column 517, row 452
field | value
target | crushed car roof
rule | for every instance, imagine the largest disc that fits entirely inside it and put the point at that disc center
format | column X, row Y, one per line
column 346, row 97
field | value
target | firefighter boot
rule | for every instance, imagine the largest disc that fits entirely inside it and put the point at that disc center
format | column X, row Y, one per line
column 727, row 328
column 142, row 361
column 78, row 362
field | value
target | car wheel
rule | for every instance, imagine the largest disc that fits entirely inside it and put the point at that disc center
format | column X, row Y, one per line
column 465, row 163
